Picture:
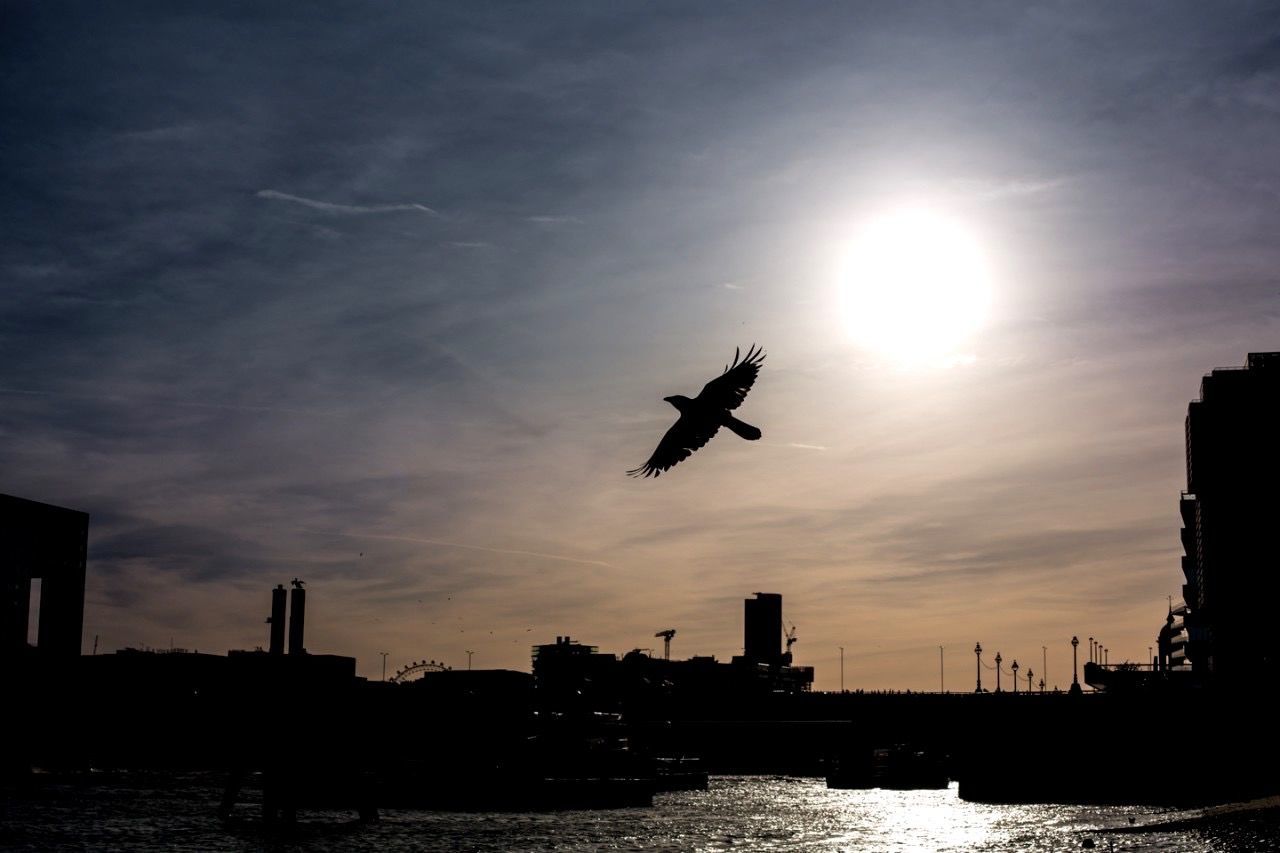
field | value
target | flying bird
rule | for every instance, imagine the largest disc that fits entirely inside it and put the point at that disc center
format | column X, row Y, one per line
column 702, row 417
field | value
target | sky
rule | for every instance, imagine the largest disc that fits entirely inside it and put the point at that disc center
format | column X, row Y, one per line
column 386, row 297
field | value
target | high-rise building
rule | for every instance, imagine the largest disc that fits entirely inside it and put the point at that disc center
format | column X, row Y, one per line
column 49, row 543
column 762, row 628
column 1231, row 517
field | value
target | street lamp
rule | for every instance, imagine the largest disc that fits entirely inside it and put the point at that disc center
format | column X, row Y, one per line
column 1044, row 662
column 842, row 669
column 998, row 659
column 942, row 676
column 1015, row 676
column 469, row 654
column 384, row 664
column 1029, row 684
column 977, row 650
column 1075, row 681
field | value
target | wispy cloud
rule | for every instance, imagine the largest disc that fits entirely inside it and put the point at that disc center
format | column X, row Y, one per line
column 441, row 543
column 554, row 220
column 169, row 133
column 800, row 446
column 133, row 400
column 990, row 190
column 331, row 207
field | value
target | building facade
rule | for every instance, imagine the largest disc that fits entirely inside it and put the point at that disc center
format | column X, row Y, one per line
column 49, row 543
column 1231, row 520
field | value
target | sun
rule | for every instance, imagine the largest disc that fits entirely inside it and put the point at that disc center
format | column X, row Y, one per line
column 915, row 287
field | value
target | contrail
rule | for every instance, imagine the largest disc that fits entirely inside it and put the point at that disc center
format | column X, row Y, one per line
column 444, row 544
column 331, row 207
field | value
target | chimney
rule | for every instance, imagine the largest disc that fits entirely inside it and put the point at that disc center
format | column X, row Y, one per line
column 277, row 619
column 297, row 617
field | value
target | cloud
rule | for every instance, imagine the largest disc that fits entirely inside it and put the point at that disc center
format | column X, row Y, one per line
column 476, row 400
column 137, row 400
column 172, row 133
column 331, row 207
column 990, row 190
column 554, row 220
column 513, row 551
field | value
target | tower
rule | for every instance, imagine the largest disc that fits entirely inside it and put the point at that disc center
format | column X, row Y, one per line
column 297, row 617
column 278, row 596
column 762, row 628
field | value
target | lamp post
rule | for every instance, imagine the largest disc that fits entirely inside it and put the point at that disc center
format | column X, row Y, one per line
column 1075, row 681
column 469, row 654
column 977, row 650
column 1030, row 686
column 942, row 676
column 842, row 669
column 1015, row 676
column 998, row 659
column 1042, row 685
column 1044, row 663
column 384, row 664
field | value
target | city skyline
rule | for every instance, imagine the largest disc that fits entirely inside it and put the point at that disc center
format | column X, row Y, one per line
column 389, row 300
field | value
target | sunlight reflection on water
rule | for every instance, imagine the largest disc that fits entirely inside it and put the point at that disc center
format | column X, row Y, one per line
column 176, row 812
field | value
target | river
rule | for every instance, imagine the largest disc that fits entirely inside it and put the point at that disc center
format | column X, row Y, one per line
column 175, row 812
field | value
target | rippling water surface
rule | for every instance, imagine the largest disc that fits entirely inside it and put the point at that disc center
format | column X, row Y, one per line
column 144, row 812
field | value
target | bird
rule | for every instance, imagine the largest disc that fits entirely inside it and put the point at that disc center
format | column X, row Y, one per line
column 702, row 417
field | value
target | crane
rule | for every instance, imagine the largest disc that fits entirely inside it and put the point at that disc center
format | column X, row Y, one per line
column 666, row 642
column 790, row 632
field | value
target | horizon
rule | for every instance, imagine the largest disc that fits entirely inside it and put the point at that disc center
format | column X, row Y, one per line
column 389, row 301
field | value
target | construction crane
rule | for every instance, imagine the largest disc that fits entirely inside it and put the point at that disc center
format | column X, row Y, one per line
column 790, row 633
column 666, row 642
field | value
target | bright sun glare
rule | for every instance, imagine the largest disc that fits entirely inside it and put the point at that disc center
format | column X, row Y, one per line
column 916, row 287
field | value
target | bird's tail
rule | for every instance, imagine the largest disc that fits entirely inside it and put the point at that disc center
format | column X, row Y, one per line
column 744, row 430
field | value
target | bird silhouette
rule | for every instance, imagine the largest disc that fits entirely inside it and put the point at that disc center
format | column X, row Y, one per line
column 702, row 417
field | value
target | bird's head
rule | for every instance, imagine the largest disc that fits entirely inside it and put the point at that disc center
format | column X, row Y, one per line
column 679, row 401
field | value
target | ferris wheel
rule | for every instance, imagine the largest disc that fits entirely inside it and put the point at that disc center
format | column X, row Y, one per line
column 416, row 670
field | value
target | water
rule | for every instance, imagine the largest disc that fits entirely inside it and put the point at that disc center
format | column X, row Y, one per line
column 175, row 812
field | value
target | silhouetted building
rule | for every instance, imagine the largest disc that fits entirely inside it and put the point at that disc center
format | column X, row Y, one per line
column 297, row 618
column 1171, row 640
column 762, row 628
column 278, row 596
column 567, row 674
column 1230, row 511
column 46, row 542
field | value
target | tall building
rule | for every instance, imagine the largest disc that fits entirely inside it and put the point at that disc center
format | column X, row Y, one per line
column 1231, row 517
column 762, row 628
column 49, row 543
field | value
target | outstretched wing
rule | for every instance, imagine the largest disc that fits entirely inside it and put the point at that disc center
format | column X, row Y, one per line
column 729, row 389
column 685, row 436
